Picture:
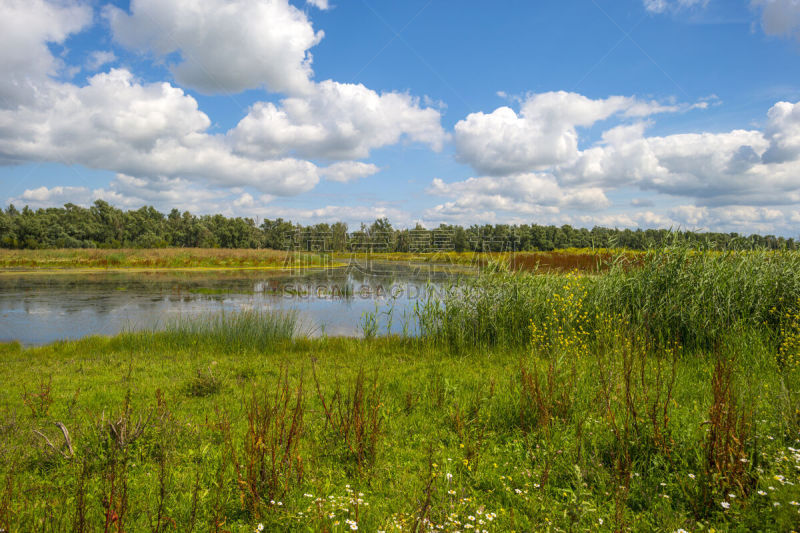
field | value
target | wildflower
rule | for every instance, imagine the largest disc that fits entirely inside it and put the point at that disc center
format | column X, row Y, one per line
column 449, row 476
column 762, row 493
column 725, row 505
column 692, row 476
column 260, row 527
column 776, row 504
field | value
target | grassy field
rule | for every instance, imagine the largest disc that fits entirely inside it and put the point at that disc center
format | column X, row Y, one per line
column 660, row 398
column 155, row 259
column 217, row 258
column 585, row 260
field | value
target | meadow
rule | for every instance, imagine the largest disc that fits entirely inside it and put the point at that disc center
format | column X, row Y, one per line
column 157, row 259
column 659, row 395
column 230, row 259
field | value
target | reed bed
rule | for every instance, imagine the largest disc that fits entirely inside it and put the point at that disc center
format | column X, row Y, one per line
column 674, row 294
column 253, row 330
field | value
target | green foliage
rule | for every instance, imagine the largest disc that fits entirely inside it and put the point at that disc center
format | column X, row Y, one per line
column 103, row 226
column 658, row 396
column 228, row 332
column 610, row 433
column 675, row 294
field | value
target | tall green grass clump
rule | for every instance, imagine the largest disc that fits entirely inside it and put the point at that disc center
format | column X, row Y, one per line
column 249, row 330
column 697, row 297
column 673, row 294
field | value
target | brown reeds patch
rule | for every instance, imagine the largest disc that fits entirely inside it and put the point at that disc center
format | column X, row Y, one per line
column 729, row 427
column 40, row 400
column 568, row 261
column 355, row 418
column 547, row 392
column 470, row 425
column 635, row 394
column 270, row 460
column 6, row 500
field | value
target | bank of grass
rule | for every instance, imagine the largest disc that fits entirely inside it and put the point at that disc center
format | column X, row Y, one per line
column 154, row 259
column 558, row 261
column 663, row 397
column 585, row 260
column 219, row 426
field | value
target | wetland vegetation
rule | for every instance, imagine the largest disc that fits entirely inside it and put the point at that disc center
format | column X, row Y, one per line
column 659, row 395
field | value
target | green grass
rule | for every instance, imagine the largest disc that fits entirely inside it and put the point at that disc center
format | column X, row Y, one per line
column 676, row 294
column 158, row 259
column 652, row 399
column 554, row 447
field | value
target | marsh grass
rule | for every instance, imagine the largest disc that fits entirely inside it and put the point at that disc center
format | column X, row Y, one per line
column 403, row 435
column 529, row 403
column 161, row 258
column 271, row 458
column 230, row 331
column 676, row 294
column 354, row 418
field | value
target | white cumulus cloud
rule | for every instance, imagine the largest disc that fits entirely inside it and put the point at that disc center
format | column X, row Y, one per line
column 337, row 121
column 154, row 132
column 143, row 130
column 319, row 4
column 521, row 194
column 544, row 132
column 346, row 171
column 225, row 46
column 26, row 26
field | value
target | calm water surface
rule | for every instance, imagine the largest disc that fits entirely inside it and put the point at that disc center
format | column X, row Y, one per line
column 42, row 308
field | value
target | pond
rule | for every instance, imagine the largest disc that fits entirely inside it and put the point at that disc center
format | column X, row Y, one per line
column 39, row 308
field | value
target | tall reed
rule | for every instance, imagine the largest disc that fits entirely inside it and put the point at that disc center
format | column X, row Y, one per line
column 674, row 294
column 248, row 330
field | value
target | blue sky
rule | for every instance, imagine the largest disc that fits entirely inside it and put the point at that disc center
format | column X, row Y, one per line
column 626, row 113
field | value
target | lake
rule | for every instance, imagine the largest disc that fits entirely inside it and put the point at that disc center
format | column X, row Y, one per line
column 39, row 308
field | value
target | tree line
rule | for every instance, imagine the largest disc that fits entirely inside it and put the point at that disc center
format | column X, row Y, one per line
column 104, row 226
